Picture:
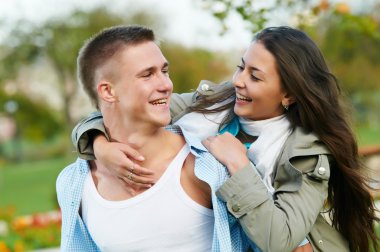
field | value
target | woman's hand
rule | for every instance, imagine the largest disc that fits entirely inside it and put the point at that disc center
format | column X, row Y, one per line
column 120, row 159
column 228, row 150
column 304, row 248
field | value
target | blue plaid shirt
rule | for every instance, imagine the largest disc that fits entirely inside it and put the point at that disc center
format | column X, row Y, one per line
column 228, row 234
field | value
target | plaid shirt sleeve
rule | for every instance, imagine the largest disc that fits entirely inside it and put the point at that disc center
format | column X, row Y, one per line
column 74, row 236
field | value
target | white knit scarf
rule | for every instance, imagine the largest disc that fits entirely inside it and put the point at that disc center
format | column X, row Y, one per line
column 264, row 152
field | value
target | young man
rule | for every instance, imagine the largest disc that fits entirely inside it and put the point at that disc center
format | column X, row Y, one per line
column 126, row 76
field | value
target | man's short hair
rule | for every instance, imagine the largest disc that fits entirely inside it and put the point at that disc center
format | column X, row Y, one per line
column 100, row 48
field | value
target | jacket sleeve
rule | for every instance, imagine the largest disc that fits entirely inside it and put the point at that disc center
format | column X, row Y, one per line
column 279, row 222
column 84, row 132
column 179, row 103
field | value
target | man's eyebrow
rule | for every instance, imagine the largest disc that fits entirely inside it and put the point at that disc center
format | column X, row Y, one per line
column 148, row 69
column 166, row 64
column 152, row 68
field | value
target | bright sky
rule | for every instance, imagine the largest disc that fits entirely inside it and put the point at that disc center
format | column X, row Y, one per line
column 186, row 21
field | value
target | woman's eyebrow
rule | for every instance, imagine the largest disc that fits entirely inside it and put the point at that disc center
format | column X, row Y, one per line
column 251, row 68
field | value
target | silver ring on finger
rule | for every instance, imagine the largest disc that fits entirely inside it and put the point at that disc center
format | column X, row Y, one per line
column 130, row 176
column 132, row 167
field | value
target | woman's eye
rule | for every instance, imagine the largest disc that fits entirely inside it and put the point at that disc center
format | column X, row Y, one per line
column 254, row 78
column 241, row 68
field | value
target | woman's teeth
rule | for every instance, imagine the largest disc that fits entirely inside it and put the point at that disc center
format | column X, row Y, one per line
column 243, row 98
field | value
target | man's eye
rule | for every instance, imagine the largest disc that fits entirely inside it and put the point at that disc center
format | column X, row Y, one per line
column 165, row 71
column 241, row 68
column 146, row 75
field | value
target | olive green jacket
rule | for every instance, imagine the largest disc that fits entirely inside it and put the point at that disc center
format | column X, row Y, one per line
column 276, row 222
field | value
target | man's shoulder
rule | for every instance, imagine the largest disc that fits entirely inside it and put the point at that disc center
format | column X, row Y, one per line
column 192, row 139
column 71, row 172
column 194, row 142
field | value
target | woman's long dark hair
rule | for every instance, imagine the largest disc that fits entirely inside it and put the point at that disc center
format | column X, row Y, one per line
column 306, row 77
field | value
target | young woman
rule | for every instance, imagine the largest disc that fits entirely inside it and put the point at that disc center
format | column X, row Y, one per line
column 301, row 175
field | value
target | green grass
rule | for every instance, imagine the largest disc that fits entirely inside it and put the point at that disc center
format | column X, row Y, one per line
column 368, row 136
column 30, row 186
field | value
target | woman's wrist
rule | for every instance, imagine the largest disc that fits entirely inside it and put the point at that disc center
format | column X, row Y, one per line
column 237, row 164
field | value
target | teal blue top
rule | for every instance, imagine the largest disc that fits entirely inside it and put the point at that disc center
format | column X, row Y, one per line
column 233, row 127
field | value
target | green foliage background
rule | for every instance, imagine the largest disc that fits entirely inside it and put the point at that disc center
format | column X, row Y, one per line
column 349, row 41
column 36, row 122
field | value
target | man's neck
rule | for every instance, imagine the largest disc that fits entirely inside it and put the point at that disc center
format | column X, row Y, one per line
column 151, row 141
column 129, row 131
column 158, row 147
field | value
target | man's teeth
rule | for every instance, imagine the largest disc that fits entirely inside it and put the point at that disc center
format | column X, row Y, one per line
column 159, row 102
column 241, row 97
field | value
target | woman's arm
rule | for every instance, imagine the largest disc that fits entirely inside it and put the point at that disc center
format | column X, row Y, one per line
column 279, row 222
column 85, row 131
column 274, row 224
column 91, row 141
column 179, row 104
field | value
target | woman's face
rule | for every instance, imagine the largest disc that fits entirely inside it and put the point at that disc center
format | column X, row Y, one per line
column 259, row 94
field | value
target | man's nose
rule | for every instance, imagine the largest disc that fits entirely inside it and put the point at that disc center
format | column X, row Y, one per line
column 165, row 83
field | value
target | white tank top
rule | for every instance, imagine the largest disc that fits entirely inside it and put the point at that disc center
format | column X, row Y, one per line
column 163, row 218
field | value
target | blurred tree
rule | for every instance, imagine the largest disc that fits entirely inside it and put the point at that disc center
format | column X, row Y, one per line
column 59, row 40
column 256, row 13
column 33, row 121
column 351, row 42
column 354, row 53
column 36, row 116
column 190, row 65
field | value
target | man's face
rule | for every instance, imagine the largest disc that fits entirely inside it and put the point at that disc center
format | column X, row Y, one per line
column 143, row 87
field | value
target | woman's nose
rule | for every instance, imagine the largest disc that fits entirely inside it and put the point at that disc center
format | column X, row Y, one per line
column 238, row 79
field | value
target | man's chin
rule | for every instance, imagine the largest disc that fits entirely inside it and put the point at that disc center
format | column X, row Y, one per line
column 163, row 122
column 167, row 121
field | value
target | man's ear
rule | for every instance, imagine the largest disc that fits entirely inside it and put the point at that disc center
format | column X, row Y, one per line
column 106, row 92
